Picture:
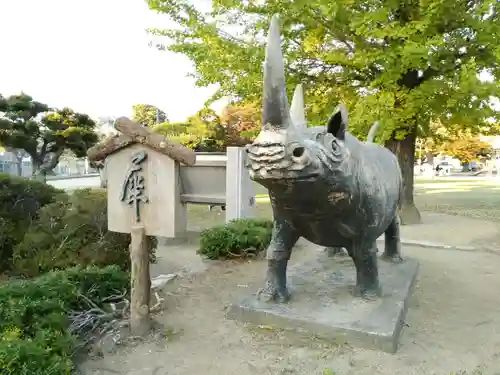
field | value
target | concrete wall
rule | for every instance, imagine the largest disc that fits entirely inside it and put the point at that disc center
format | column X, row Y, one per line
column 75, row 182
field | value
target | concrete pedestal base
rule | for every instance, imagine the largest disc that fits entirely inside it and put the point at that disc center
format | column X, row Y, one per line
column 322, row 303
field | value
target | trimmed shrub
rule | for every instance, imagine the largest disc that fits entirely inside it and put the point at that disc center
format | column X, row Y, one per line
column 35, row 337
column 238, row 238
column 70, row 232
column 20, row 200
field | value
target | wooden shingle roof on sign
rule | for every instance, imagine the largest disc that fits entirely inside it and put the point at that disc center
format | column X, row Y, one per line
column 133, row 133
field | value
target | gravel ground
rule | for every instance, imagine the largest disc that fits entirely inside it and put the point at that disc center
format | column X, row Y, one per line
column 453, row 324
column 453, row 320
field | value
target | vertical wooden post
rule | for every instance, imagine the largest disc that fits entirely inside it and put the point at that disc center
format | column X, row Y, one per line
column 240, row 193
column 140, row 321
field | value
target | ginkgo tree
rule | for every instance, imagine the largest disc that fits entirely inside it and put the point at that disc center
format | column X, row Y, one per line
column 200, row 132
column 237, row 125
column 402, row 62
column 467, row 149
column 148, row 115
column 241, row 123
column 44, row 133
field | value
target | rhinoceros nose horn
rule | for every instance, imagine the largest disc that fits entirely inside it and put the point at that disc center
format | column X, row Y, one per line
column 275, row 109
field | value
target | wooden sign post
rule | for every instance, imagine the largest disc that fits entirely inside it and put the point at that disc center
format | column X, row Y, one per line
column 140, row 279
column 143, row 184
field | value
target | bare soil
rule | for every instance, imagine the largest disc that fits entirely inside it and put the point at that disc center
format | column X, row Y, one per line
column 453, row 325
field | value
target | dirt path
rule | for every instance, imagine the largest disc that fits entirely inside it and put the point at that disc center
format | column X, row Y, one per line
column 454, row 325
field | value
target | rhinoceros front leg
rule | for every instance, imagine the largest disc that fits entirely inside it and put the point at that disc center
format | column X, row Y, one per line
column 365, row 259
column 279, row 251
column 392, row 251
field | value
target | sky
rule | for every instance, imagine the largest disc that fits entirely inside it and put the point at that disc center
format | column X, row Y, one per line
column 93, row 56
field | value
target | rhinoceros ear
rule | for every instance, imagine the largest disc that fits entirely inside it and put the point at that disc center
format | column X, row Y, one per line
column 337, row 125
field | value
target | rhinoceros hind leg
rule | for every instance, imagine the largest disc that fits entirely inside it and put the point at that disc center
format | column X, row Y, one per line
column 392, row 250
column 367, row 281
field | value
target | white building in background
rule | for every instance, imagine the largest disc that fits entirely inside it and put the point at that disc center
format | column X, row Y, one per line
column 493, row 165
column 71, row 166
column 494, row 141
column 10, row 164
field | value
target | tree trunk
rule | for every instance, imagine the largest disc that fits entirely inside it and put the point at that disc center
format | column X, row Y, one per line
column 39, row 176
column 429, row 156
column 18, row 154
column 38, row 173
column 405, row 151
column 19, row 162
column 45, row 163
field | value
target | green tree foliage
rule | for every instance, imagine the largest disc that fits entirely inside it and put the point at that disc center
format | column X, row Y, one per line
column 201, row 132
column 403, row 63
column 148, row 115
column 20, row 204
column 206, row 131
column 44, row 134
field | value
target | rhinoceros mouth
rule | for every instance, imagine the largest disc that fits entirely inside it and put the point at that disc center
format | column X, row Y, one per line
column 285, row 175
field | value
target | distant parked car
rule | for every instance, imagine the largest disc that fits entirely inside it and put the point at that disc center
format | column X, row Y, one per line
column 443, row 169
column 474, row 166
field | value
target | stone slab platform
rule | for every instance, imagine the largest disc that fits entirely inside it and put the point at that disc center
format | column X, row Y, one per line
column 322, row 303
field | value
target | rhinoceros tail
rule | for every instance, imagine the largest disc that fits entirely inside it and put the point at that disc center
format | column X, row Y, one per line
column 372, row 132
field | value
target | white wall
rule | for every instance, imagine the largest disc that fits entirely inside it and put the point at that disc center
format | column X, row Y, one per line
column 72, row 183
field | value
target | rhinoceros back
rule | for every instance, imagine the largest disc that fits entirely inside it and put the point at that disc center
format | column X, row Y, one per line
column 378, row 182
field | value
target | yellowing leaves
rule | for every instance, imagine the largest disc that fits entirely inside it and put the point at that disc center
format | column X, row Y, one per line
column 467, row 149
column 11, row 334
column 313, row 40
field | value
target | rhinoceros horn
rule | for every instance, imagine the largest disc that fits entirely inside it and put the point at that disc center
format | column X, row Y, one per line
column 275, row 111
column 297, row 111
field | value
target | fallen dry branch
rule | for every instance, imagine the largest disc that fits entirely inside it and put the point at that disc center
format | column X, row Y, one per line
column 91, row 324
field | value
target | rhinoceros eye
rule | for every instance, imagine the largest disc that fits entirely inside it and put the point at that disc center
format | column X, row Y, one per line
column 336, row 149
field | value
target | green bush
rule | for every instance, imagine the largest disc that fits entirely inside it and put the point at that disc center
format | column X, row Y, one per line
column 34, row 317
column 20, row 200
column 70, row 232
column 238, row 238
